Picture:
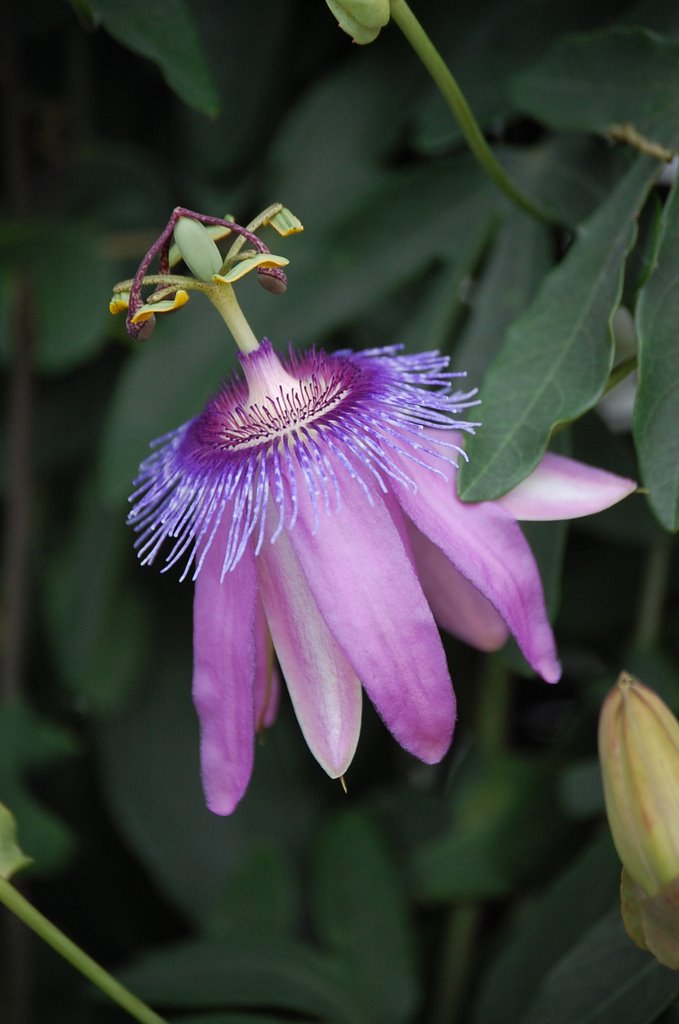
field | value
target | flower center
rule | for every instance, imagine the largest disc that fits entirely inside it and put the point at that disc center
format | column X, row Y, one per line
column 272, row 403
column 246, row 426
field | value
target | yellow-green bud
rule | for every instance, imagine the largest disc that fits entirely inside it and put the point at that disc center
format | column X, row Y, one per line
column 361, row 19
column 639, row 753
column 197, row 248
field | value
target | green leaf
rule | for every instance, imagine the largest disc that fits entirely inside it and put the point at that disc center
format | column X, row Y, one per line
column 544, row 928
column 580, row 790
column 502, row 829
column 230, row 1018
column 487, row 44
column 399, row 227
column 257, row 898
column 360, row 913
column 98, row 627
column 219, row 149
column 519, row 259
column 619, row 75
column 244, row 973
column 440, row 301
column 568, row 174
column 656, row 412
column 12, row 857
column 27, row 743
column 149, row 761
column 366, row 121
column 555, row 362
column 69, row 281
column 606, row 979
column 169, row 38
column 72, row 280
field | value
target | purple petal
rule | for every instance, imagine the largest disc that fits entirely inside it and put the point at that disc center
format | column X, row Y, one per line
column 457, row 605
column 486, row 545
column 223, row 676
column 323, row 686
column 561, row 488
column 360, row 571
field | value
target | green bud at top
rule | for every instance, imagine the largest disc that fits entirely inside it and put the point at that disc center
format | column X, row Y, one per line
column 12, row 857
column 361, row 19
column 197, row 248
column 639, row 753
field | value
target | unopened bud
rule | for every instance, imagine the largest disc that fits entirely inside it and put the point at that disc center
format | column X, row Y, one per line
column 361, row 19
column 639, row 753
column 197, row 248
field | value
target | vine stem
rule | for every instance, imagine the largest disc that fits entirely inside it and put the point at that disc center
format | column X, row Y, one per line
column 42, row 926
column 456, row 950
column 455, row 100
column 619, row 372
column 652, row 593
column 458, row 947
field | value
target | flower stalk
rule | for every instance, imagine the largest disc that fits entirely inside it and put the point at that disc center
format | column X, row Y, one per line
column 460, row 109
column 54, row 937
column 223, row 298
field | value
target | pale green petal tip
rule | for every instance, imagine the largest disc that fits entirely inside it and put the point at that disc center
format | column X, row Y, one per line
column 361, row 19
column 164, row 306
column 243, row 267
column 12, row 857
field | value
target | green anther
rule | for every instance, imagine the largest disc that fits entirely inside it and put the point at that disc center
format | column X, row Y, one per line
column 197, row 249
column 285, row 223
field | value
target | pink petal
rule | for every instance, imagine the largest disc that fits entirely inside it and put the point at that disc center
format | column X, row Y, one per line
column 457, row 605
column 267, row 677
column 323, row 686
column 223, row 676
column 561, row 488
column 362, row 577
column 486, row 545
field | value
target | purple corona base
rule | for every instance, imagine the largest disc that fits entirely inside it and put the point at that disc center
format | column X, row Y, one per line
column 314, row 503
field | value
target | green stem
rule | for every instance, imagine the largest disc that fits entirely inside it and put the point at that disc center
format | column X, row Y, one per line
column 619, row 372
column 223, row 298
column 653, row 590
column 461, row 924
column 456, row 958
column 454, row 98
column 493, row 708
column 616, row 376
column 55, row 938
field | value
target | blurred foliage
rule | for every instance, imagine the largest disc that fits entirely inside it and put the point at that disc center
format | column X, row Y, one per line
column 308, row 905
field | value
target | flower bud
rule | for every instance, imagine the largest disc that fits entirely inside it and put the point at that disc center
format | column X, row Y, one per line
column 197, row 248
column 361, row 19
column 639, row 753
